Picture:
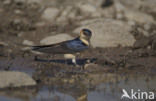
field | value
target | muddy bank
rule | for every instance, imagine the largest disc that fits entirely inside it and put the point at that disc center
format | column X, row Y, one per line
column 123, row 48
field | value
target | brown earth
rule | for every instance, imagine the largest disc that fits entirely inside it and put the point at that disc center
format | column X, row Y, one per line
column 14, row 28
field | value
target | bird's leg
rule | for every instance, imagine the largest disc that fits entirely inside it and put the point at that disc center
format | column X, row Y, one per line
column 35, row 57
column 71, row 56
column 74, row 61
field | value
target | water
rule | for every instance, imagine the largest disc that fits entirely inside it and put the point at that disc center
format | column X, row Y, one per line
column 93, row 87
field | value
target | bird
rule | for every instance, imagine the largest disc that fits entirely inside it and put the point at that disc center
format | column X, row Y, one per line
column 70, row 47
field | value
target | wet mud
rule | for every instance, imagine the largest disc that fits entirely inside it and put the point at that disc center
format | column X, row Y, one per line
column 100, row 71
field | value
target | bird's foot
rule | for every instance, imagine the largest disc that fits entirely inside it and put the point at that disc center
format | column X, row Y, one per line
column 35, row 58
column 75, row 62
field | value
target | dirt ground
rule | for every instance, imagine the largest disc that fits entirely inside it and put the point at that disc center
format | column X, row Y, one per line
column 139, row 59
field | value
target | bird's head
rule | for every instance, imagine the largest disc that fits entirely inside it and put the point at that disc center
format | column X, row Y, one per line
column 85, row 35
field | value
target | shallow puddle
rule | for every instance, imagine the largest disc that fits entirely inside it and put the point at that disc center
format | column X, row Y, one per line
column 18, row 64
column 94, row 87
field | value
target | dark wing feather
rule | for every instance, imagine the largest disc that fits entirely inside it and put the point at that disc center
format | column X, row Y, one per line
column 70, row 46
column 59, row 48
column 77, row 45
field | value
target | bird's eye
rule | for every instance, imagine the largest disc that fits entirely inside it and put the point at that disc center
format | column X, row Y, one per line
column 87, row 32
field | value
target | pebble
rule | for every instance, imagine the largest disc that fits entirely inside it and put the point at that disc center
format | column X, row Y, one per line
column 138, row 17
column 15, row 79
column 87, row 8
column 6, row 2
column 50, row 14
column 27, row 42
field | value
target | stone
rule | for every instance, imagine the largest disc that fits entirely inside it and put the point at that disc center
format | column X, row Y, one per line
column 15, row 79
column 64, row 14
column 132, row 4
column 3, row 44
column 34, row 1
column 108, row 32
column 17, row 11
column 40, row 24
column 143, row 5
column 138, row 17
column 144, row 32
column 87, row 8
column 20, row 1
column 108, row 12
column 55, row 39
column 72, row 14
column 149, row 6
column 27, row 42
column 96, row 3
column 91, row 67
column 6, row 2
column 119, row 10
column 50, row 14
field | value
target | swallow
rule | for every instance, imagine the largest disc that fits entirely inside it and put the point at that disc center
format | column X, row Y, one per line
column 69, row 47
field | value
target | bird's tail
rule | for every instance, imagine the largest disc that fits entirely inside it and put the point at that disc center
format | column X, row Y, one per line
column 35, row 47
column 39, row 47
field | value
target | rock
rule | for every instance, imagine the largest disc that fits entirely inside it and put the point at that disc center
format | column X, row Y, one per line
column 68, row 13
column 87, row 8
column 91, row 67
column 108, row 12
column 55, row 39
column 143, row 5
column 82, row 98
column 16, row 21
column 132, row 4
column 20, row 34
column 40, row 24
column 149, row 6
column 96, row 3
column 138, row 17
column 17, row 11
column 72, row 15
column 65, row 14
column 34, row 1
column 15, row 79
column 27, row 42
column 119, row 10
column 147, row 27
column 108, row 32
column 125, row 8
column 3, row 44
column 6, row 2
column 50, row 14
column 19, row 24
column 20, row 1
column 142, row 43
column 144, row 32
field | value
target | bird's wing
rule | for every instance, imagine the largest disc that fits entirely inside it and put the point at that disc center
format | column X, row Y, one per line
column 59, row 48
column 76, row 45
column 70, row 46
